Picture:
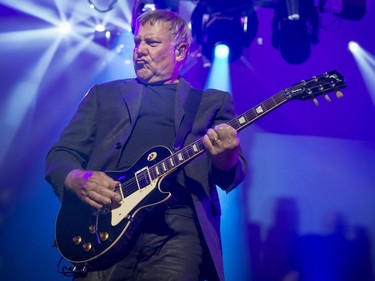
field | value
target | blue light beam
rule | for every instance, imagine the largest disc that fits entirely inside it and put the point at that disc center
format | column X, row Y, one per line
column 366, row 65
column 233, row 223
column 22, row 99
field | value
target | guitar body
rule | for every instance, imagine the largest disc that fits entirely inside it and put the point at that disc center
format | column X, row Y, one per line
column 96, row 238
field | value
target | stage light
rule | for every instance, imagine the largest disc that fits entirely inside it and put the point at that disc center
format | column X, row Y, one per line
column 221, row 51
column 353, row 46
column 293, row 9
column 350, row 9
column 65, row 27
column 103, row 9
column 107, row 36
column 142, row 6
column 233, row 24
column 149, row 7
column 295, row 27
column 366, row 64
column 99, row 27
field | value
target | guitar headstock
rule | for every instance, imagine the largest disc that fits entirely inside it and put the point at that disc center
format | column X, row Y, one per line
column 326, row 83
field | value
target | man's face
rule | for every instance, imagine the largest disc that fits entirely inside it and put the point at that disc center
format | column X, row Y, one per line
column 154, row 54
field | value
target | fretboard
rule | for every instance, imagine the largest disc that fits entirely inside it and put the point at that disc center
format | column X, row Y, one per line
column 188, row 153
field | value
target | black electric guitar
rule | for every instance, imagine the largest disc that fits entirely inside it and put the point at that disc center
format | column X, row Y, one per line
column 89, row 237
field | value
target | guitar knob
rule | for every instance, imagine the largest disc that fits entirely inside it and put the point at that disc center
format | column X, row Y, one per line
column 86, row 246
column 104, row 236
column 92, row 229
column 77, row 240
column 327, row 98
column 316, row 102
column 339, row 94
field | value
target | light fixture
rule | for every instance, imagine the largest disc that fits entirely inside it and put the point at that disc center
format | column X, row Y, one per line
column 295, row 27
column 353, row 46
column 104, row 9
column 233, row 24
column 99, row 28
column 65, row 27
column 221, row 51
column 107, row 36
column 142, row 6
column 351, row 9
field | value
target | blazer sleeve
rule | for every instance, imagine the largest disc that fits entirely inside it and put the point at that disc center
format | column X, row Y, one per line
column 75, row 144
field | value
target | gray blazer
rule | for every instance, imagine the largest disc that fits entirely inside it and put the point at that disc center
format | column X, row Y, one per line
column 103, row 123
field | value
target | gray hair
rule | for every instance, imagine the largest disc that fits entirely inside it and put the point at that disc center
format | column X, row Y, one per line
column 177, row 27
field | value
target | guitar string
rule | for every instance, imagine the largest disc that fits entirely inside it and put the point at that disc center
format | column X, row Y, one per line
column 129, row 186
column 250, row 115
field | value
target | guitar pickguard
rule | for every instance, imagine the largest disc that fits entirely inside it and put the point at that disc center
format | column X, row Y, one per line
column 129, row 203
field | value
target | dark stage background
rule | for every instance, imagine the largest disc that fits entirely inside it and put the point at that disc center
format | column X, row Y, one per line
column 307, row 205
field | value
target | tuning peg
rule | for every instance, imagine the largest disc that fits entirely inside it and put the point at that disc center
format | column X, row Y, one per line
column 316, row 102
column 339, row 94
column 327, row 98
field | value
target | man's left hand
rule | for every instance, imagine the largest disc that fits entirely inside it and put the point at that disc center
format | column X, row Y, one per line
column 222, row 145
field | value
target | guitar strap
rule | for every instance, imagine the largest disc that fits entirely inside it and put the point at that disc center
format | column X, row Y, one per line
column 190, row 107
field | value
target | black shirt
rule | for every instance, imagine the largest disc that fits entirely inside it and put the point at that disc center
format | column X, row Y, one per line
column 155, row 123
column 155, row 126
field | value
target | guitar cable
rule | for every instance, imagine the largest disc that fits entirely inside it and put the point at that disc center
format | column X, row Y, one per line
column 71, row 270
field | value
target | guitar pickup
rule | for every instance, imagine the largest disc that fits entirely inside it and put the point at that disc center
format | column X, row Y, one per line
column 142, row 177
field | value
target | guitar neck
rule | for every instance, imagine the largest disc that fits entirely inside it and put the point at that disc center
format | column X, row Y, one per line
column 305, row 90
column 248, row 117
column 188, row 153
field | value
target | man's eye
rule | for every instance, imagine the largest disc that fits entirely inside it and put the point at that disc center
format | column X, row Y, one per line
column 152, row 43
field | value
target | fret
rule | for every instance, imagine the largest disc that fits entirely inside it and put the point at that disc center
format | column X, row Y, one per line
column 184, row 154
column 280, row 97
column 168, row 164
column 180, row 157
column 242, row 120
column 200, row 145
column 157, row 170
column 152, row 173
column 190, row 152
column 251, row 115
column 259, row 109
column 195, row 148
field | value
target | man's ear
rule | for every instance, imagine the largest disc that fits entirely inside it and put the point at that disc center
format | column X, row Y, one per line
column 181, row 52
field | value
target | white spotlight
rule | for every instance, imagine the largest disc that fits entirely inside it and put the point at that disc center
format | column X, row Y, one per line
column 65, row 27
column 353, row 46
column 221, row 51
column 99, row 28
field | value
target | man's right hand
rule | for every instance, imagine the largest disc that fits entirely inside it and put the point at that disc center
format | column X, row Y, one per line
column 93, row 187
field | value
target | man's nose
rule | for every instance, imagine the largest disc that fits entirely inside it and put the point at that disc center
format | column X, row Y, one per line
column 140, row 49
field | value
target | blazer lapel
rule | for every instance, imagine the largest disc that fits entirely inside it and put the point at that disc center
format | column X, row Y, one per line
column 182, row 93
column 132, row 94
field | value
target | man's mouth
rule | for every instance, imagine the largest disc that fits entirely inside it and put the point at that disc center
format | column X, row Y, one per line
column 142, row 62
